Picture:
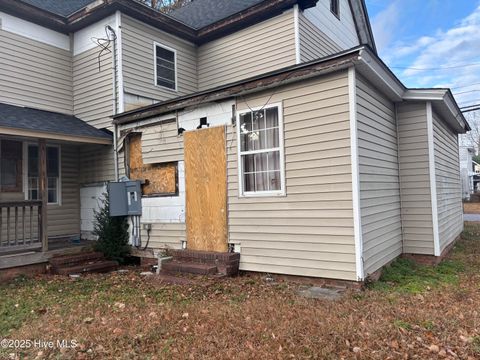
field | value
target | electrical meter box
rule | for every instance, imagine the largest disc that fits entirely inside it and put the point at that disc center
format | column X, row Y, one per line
column 125, row 198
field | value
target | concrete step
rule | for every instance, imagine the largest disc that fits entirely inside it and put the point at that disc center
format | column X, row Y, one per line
column 99, row 266
column 75, row 259
column 175, row 266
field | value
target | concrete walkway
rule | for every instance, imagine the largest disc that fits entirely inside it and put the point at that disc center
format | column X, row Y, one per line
column 471, row 217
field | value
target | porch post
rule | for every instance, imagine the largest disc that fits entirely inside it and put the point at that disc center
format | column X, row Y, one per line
column 42, row 179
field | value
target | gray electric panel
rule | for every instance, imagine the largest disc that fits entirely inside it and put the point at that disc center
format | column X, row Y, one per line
column 125, row 198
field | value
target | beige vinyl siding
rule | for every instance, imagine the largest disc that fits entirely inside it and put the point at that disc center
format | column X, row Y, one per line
column 165, row 236
column 93, row 87
column 308, row 232
column 379, row 179
column 449, row 187
column 258, row 49
column 96, row 164
column 161, row 143
column 35, row 74
column 138, row 61
column 314, row 43
column 415, row 179
column 64, row 219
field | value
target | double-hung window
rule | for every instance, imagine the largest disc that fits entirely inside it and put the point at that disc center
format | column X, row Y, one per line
column 165, row 67
column 10, row 166
column 260, row 137
column 53, row 174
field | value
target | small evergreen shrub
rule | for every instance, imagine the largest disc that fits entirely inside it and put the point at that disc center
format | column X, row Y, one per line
column 112, row 233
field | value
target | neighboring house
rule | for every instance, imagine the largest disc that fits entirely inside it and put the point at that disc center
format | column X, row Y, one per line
column 467, row 170
column 270, row 128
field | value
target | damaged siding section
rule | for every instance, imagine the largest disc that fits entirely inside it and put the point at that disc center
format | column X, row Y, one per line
column 379, row 177
column 448, row 183
column 308, row 232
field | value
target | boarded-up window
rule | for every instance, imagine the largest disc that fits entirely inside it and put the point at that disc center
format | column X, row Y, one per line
column 160, row 179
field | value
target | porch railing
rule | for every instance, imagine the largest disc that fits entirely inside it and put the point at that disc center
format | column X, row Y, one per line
column 20, row 226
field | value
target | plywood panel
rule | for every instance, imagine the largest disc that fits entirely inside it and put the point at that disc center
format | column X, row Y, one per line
column 159, row 178
column 206, row 189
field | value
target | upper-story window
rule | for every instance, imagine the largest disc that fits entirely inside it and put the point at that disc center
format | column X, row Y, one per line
column 260, row 138
column 165, row 67
column 335, row 7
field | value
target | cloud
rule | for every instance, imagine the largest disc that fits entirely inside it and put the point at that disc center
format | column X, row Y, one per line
column 440, row 54
column 385, row 24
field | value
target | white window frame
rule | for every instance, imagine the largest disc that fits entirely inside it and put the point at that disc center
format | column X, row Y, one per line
column 281, row 148
column 155, row 44
column 26, row 144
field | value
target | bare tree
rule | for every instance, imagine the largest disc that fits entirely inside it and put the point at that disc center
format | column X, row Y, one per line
column 472, row 138
column 165, row 5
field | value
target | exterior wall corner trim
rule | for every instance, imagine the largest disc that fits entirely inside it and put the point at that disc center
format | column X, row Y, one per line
column 433, row 185
column 357, row 223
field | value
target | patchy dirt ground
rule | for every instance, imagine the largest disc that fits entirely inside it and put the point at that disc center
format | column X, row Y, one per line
column 471, row 208
column 413, row 313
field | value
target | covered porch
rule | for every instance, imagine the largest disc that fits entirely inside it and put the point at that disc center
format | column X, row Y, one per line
column 40, row 183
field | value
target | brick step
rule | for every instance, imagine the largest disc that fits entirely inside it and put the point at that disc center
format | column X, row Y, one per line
column 207, row 257
column 100, row 266
column 76, row 259
column 175, row 266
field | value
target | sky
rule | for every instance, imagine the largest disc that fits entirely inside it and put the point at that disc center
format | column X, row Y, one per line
column 431, row 43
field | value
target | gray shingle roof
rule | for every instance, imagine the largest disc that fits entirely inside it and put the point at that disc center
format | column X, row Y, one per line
column 59, row 7
column 201, row 13
column 17, row 117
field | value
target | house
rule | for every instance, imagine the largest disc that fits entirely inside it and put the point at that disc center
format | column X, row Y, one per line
column 467, row 170
column 267, row 128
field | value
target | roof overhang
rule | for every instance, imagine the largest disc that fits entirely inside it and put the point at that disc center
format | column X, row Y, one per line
column 265, row 81
column 443, row 103
column 366, row 62
column 53, row 136
column 100, row 9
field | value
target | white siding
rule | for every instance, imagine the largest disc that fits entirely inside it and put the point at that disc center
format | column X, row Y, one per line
column 341, row 31
column 449, row 187
column 258, row 49
column 379, row 177
column 415, row 179
column 308, row 232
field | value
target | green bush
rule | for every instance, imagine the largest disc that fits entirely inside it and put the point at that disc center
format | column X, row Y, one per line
column 112, row 233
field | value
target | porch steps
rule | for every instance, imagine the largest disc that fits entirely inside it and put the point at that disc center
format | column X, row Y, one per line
column 89, row 262
column 201, row 263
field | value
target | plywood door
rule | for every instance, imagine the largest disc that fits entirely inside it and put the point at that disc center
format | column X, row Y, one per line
column 206, row 189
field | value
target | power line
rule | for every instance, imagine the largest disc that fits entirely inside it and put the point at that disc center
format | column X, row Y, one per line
column 464, row 86
column 436, row 68
column 466, row 92
column 473, row 109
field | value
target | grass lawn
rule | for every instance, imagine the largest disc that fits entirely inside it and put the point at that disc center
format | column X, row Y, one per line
column 413, row 312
